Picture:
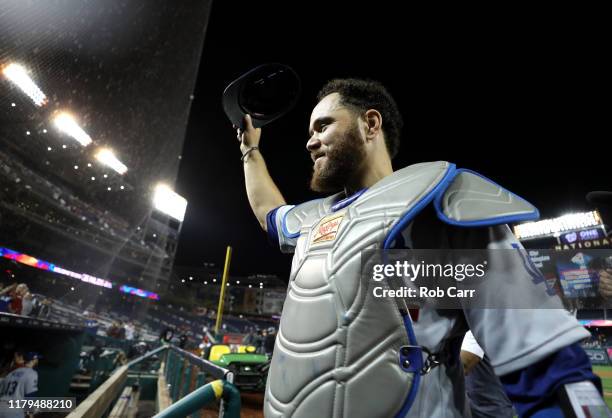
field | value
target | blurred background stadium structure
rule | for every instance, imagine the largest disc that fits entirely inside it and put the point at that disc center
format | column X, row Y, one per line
column 113, row 79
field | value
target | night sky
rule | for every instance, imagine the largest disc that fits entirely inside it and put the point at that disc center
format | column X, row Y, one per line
column 519, row 102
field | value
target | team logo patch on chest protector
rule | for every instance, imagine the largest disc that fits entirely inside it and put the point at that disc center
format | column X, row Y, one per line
column 327, row 229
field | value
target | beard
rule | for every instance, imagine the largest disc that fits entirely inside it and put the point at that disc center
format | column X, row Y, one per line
column 342, row 162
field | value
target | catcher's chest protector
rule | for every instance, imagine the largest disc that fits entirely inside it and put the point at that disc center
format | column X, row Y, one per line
column 337, row 350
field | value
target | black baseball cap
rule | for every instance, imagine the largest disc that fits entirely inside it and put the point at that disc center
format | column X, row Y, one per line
column 266, row 92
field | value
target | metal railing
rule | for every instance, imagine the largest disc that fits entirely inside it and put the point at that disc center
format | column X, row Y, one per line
column 185, row 375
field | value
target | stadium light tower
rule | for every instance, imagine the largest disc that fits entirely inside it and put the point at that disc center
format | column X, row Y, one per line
column 167, row 201
column 108, row 158
column 19, row 76
column 68, row 125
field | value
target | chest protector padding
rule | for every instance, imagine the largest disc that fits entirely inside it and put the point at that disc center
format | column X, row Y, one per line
column 336, row 353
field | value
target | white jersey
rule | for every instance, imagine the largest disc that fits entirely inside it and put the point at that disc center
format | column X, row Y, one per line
column 15, row 386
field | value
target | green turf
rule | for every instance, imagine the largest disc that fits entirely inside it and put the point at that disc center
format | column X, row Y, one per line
column 606, row 382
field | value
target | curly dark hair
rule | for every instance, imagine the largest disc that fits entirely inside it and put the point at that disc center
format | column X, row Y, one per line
column 363, row 94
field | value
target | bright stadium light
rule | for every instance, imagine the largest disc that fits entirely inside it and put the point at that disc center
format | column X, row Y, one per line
column 551, row 227
column 107, row 157
column 66, row 123
column 19, row 76
column 167, row 201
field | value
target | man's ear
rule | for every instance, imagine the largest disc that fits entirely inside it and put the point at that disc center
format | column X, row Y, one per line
column 373, row 120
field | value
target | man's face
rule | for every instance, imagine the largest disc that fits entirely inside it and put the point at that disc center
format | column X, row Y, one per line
column 336, row 145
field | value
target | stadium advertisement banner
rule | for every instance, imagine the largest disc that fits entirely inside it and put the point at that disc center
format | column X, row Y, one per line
column 588, row 244
column 583, row 235
column 44, row 265
column 598, row 356
column 139, row 292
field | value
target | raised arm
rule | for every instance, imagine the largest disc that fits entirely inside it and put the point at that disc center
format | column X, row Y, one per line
column 261, row 190
column 8, row 289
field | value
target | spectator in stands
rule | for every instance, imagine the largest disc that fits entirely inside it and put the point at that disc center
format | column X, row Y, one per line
column 249, row 339
column 16, row 304
column 206, row 346
column 27, row 303
column 259, row 339
column 166, row 335
column 91, row 323
column 45, row 308
column 603, row 340
column 40, row 307
column 114, row 330
column 138, row 349
column 121, row 331
column 5, row 297
column 183, row 339
column 130, row 331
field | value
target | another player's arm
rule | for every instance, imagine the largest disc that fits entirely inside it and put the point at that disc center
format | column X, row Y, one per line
column 469, row 361
column 261, row 190
column 471, row 353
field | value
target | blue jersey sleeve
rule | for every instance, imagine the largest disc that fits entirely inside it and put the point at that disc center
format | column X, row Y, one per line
column 534, row 389
column 272, row 228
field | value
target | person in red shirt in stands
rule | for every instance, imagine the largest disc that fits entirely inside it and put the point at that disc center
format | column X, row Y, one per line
column 16, row 304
